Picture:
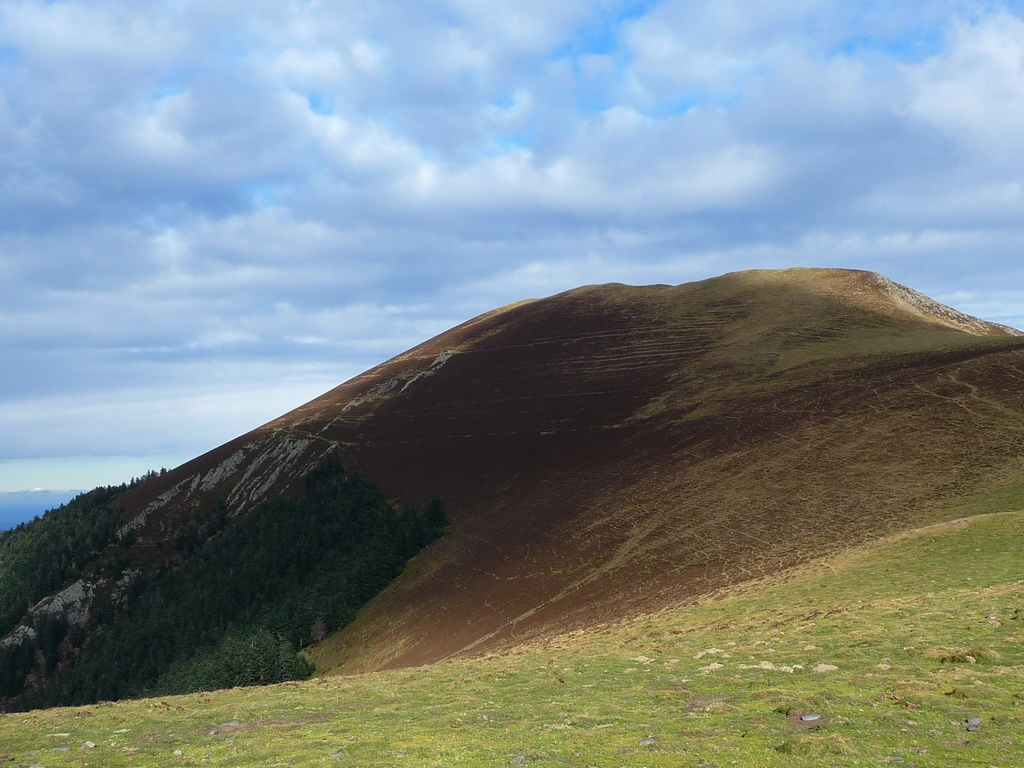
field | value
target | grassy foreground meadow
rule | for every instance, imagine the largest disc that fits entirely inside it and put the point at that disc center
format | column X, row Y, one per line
column 898, row 647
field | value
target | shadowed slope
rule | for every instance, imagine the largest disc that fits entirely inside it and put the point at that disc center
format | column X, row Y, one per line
column 612, row 450
column 615, row 449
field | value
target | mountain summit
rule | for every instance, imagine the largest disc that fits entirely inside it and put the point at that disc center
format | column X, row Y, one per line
column 615, row 450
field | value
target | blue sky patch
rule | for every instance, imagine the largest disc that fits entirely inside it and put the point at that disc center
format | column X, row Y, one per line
column 601, row 35
column 319, row 105
column 913, row 46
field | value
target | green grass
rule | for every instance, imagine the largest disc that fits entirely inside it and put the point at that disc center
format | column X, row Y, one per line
column 899, row 621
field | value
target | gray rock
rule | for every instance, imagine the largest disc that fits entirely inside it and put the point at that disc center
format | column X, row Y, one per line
column 648, row 741
column 973, row 721
column 521, row 760
column 810, row 718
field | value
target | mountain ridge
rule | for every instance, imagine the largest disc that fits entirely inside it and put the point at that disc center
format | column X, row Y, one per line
column 611, row 450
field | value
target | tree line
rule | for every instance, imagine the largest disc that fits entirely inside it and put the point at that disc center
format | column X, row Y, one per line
column 237, row 603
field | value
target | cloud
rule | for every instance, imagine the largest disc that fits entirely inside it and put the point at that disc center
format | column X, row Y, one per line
column 973, row 92
column 197, row 196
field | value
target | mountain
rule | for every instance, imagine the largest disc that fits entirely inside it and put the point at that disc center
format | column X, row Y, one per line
column 615, row 450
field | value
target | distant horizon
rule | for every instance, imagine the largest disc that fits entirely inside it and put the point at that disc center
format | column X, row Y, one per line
column 18, row 507
column 56, row 481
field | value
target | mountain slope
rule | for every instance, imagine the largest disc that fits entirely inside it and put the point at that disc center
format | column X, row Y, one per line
column 613, row 450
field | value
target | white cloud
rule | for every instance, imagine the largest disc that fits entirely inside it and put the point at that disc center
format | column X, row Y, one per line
column 148, row 420
column 974, row 90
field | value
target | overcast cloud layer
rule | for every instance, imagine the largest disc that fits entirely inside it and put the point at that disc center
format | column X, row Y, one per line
column 212, row 212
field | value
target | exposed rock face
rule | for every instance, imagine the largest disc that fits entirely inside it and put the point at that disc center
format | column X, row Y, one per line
column 929, row 309
column 242, row 480
column 18, row 635
column 613, row 449
column 71, row 603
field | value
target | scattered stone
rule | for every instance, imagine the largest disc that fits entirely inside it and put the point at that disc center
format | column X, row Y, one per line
column 521, row 760
column 648, row 741
column 89, row 745
column 825, row 668
column 643, row 659
column 215, row 732
column 811, row 717
column 178, row 752
column 711, row 667
column 771, row 667
column 63, row 749
column 231, row 724
column 708, row 652
column 231, row 740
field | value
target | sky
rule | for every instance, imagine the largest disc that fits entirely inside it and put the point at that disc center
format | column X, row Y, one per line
column 211, row 212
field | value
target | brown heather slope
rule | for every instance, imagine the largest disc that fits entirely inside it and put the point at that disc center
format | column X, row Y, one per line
column 613, row 450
